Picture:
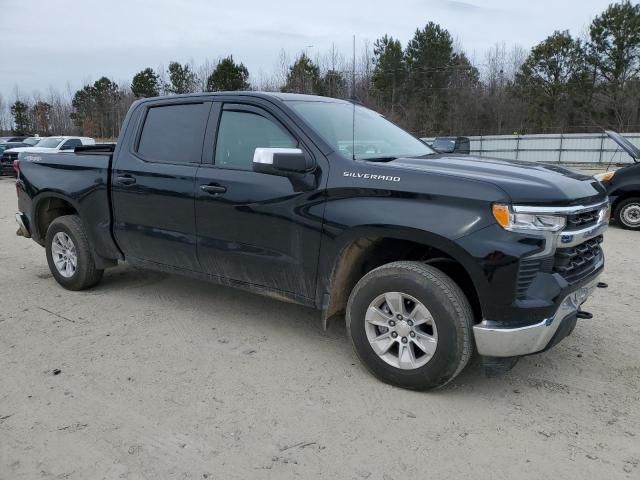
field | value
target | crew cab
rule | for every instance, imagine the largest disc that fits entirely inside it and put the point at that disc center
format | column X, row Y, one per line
column 325, row 203
column 623, row 186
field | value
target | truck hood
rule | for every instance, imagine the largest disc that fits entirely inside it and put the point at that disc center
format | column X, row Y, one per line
column 625, row 144
column 34, row 150
column 524, row 182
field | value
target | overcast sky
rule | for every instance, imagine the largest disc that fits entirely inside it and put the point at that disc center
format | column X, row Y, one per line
column 49, row 42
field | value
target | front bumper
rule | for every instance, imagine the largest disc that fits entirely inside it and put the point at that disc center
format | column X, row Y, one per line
column 495, row 340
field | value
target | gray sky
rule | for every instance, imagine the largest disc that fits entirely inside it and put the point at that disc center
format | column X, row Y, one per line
column 50, row 42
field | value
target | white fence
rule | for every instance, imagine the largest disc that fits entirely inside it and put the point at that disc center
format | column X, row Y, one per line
column 593, row 148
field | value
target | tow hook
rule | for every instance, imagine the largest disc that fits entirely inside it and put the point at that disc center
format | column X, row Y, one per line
column 584, row 315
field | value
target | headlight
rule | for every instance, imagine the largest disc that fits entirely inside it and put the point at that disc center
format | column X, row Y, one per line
column 604, row 215
column 514, row 221
column 605, row 177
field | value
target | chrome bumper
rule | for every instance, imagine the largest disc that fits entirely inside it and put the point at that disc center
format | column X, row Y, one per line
column 495, row 341
column 23, row 231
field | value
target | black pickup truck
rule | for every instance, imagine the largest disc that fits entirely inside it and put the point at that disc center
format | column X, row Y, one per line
column 325, row 203
column 623, row 185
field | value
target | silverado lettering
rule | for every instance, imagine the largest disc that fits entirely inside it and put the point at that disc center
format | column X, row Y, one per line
column 371, row 176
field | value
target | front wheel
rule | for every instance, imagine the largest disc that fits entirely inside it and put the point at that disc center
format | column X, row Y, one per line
column 628, row 214
column 69, row 254
column 411, row 325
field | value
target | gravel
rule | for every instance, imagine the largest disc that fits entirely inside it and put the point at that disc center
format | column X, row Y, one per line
column 156, row 376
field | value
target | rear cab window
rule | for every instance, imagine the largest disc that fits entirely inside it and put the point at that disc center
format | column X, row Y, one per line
column 174, row 133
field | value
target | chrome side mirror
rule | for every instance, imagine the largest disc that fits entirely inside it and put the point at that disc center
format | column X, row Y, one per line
column 281, row 161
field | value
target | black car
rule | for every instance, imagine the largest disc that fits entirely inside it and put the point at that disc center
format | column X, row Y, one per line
column 623, row 186
column 6, row 161
column 452, row 145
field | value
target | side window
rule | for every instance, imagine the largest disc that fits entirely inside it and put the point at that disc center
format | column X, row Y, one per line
column 240, row 133
column 71, row 144
column 174, row 133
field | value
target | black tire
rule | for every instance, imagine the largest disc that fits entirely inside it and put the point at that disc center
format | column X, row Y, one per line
column 86, row 274
column 623, row 207
column 445, row 301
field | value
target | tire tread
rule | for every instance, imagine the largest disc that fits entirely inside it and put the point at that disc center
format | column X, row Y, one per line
column 464, row 313
column 89, row 274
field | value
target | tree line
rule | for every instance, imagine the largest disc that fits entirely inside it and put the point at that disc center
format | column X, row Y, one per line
column 430, row 86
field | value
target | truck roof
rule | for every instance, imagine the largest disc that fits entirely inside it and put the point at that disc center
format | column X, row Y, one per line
column 283, row 97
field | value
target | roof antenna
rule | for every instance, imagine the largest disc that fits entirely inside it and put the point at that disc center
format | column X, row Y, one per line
column 353, row 97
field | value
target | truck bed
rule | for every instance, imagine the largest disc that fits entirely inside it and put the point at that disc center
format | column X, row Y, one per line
column 83, row 179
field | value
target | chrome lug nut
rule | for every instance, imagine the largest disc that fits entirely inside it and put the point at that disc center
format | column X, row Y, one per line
column 399, row 317
column 392, row 323
column 394, row 334
column 404, row 339
column 410, row 323
column 413, row 334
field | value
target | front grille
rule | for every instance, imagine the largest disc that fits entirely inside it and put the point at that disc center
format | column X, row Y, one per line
column 582, row 220
column 577, row 262
column 573, row 264
column 9, row 157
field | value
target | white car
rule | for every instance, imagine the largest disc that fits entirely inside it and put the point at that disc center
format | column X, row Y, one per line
column 56, row 144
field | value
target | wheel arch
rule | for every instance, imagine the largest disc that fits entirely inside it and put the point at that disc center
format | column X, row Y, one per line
column 363, row 249
column 48, row 206
column 624, row 195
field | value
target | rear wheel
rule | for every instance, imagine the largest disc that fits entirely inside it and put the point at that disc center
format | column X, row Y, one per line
column 628, row 213
column 411, row 325
column 69, row 254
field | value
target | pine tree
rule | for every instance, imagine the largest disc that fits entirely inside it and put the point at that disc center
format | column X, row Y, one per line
column 182, row 79
column 303, row 76
column 146, row 83
column 428, row 58
column 228, row 76
column 21, row 120
column 389, row 73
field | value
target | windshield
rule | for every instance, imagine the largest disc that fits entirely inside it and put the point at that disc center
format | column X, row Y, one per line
column 51, row 142
column 32, row 141
column 374, row 136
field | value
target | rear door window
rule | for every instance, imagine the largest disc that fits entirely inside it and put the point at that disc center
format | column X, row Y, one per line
column 174, row 133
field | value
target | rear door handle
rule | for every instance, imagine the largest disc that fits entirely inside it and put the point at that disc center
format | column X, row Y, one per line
column 213, row 189
column 126, row 180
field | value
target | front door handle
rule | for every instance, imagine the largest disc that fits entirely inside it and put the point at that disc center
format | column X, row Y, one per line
column 126, row 180
column 213, row 189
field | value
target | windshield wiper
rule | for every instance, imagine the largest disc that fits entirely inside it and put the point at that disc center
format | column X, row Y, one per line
column 379, row 159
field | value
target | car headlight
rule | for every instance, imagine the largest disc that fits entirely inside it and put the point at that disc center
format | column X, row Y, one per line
column 604, row 214
column 518, row 221
column 605, row 177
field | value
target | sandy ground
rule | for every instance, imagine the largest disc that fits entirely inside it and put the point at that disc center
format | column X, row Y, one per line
column 164, row 377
